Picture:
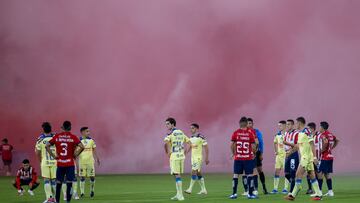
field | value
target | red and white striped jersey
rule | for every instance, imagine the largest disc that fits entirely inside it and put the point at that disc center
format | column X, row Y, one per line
column 291, row 137
column 318, row 144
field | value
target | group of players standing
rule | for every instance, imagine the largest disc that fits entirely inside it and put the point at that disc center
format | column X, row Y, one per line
column 58, row 154
column 299, row 149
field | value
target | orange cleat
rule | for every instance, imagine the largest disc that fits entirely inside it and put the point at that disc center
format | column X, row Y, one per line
column 289, row 197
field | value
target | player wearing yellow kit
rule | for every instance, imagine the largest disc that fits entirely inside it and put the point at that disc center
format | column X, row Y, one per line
column 87, row 161
column 280, row 154
column 306, row 148
column 48, row 164
column 198, row 143
column 175, row 149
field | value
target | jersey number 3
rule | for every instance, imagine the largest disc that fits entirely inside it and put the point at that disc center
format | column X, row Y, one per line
column 64, row 147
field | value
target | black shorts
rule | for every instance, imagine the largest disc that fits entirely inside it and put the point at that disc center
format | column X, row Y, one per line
column 241, row 166
column 258, row 161
column 292, row 163
column 326, row 166
column 7, row 162
column 69, row 172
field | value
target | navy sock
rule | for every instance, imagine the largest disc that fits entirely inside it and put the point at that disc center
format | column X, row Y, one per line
column 199, row 177
column 292, row 184
column 245, row 183
column 34, row 186
column 329, row 183
column 256, row 183
column 250, row 180
column 308, row 182
column 320, row 181
column 68, row 191
column 235, row 185
column 58, row 191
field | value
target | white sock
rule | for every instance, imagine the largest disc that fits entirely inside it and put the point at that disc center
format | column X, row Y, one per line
column 202, row 184
column 82, row 187
column 64, row 189
column 192, row 182
column 179, row 188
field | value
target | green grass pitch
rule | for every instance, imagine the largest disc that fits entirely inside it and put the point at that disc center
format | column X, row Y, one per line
column 159, row 188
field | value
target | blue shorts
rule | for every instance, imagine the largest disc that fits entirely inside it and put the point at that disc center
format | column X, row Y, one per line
column 68, row 171
column 241, row 166
column 326, row 166
column 292, row 163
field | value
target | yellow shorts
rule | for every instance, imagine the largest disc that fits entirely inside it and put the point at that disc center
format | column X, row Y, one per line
column 279, row 162
column 196, row 164
column 48, row 172
column 86, row 170
column 177, row 166
column 307, row 164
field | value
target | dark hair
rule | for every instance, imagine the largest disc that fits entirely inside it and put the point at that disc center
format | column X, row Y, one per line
column 26, row 161
column 282, row 122
column 324, row 125
column 290, row 121
column 301, row 120
column 243, row 120
column 312, row 125
column 172, row 121
column 5, row 140
column 46, row 127
column 83, row 129
column 250, row 120
column 67, row 125
column 195, row 125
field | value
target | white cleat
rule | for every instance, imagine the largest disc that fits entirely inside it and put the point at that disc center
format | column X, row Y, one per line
column 256, row 192
column 31, row 192
column 174, row 198
column 76, row 196
column 330, row 193
column 245, row 194
column 313, row 195
column 20, row 192
column 65, row 199
column 188, row 191
column 181, row 198
column 202, row 192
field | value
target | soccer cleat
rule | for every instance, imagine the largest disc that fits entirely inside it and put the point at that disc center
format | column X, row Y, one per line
column 255, row 192
column 202, row 192
column 50, row 200
column 174, row 198
column 76, row 196
column 82, row 195
column 330, row 193
column 245, row 193
column 252, row 197
column 187, row 191
column 65, row 199
column 31, row 192
column 284, row 191
column 275, row 191
column 289, row 197
column 92, row 194
column 181, row 198
column 266, row 192
column 233, row 196
column 20, row 192
column 309, row 191
column 316, row 198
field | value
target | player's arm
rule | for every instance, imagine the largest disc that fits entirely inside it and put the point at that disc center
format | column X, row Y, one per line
column 313, row 149
column 38, row 154
column 233, row 148
column 288, row 144
column 292, row 150
column 167, row 148
column 336, row 142
column 206, row 149
column 47, row 147
column 325, row 142
column 254, row 147
column 276, row 147
column 96, row 156
column 80, row 149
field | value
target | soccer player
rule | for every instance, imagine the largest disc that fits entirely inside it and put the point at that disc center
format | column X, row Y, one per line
column 6, row 154
column 258, row 158
column 292, row 157
column 317, row 143
column 280, row 154
column 47, row 163
column 329, row 142
column 305, row 146
column 198, row 143
column 65, row 144
column 87, row 161
column 243, row 148
column 26, row 175
column 175, row 149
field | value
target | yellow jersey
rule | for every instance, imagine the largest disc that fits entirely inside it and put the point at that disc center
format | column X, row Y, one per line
column 197, row 143
column 279, row 141
column 46, row 159
column 87, row 156
column 304, row 146
column 177, row 138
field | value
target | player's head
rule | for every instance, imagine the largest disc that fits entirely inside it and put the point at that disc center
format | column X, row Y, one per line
column 250, row 122
column 85, row 131
column 26, row 164
column 194, row 128
column 290, row 124
column 170, row 123
column 243, row 122
column 5, row 141
column 324, row 126
column 300, row 123
column 66, row 126
column 282, row 125
column 312, row 127
column 46, row 127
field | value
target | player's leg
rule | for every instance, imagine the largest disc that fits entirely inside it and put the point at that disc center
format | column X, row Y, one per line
column 91, row 173
column 70, row 176
column 314, row 182
column 82, row 174
column 202, row 183
column 177, row 168
column 249, row 168
column 309, row 190
column 327, row 170
column 276, row 180
column 45, row 173
column 33, row 186
column 192, row 180
column 294, row 165
column 261, row 172
column 237, row 170
column 299, row 173
column 60, row 175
